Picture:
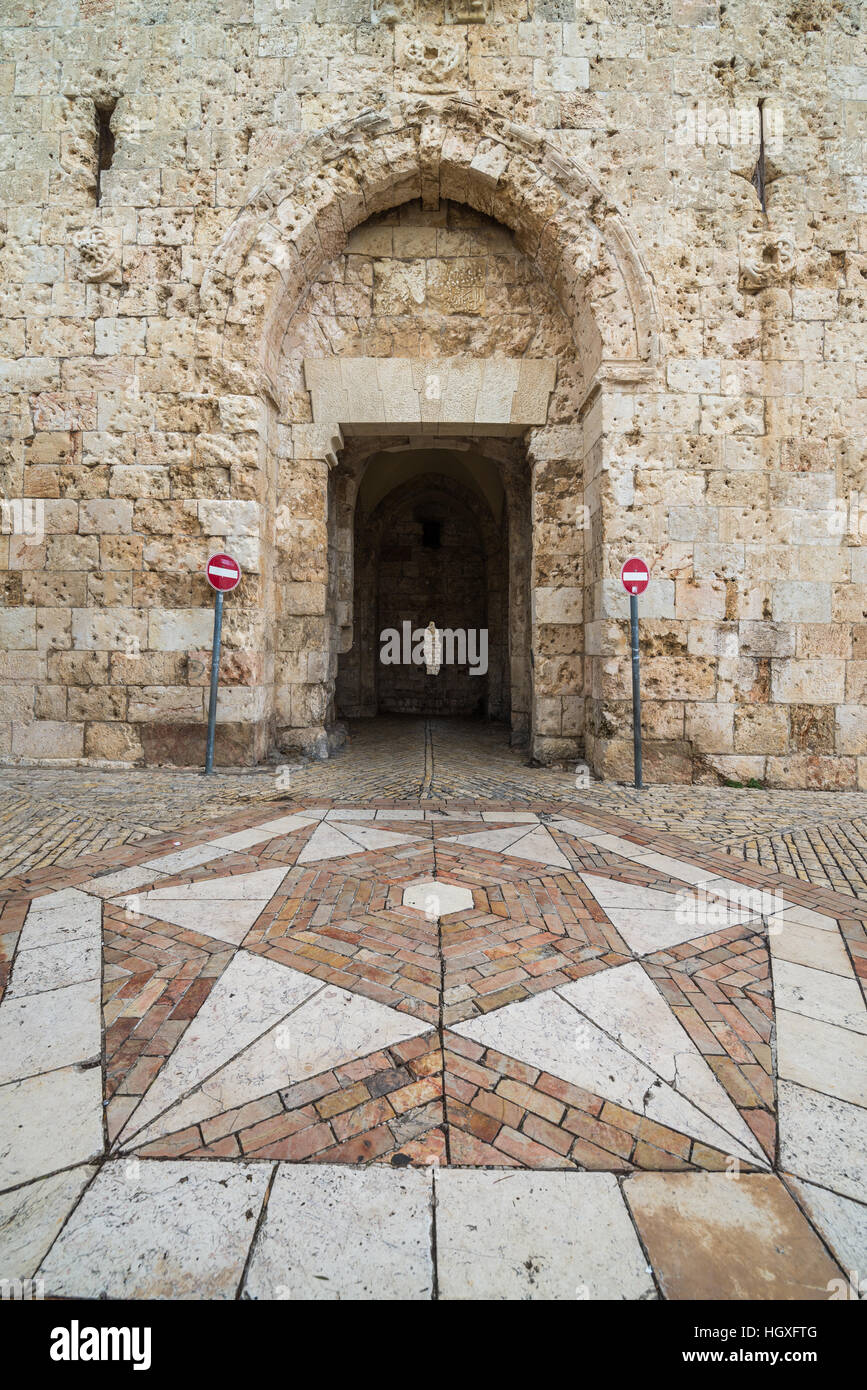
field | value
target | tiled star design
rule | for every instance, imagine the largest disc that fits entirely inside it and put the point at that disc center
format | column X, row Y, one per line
column 289, row 991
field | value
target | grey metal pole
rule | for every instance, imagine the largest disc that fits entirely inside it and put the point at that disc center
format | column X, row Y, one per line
column 636, row 688
column 215, row 677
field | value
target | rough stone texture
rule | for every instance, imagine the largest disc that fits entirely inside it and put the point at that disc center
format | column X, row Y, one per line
column 546, row 184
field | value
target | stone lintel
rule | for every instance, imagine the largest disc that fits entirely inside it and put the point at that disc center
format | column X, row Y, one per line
column 473, row 395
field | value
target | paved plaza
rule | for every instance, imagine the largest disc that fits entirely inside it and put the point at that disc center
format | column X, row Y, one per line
column 425, row 1022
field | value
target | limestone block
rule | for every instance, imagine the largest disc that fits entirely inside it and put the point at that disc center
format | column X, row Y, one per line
column 72, row 553
column 547, row 715
column 561, row 605
column 657, row 601
column 102, row 702
column 761, row 729
column 117, row 337
column 798, row 602
column 17, row 702
column 164, row 703
column 732, row 415
column 710, row 727
column 685, row 374
column 302, row 599
column 737, row 767
column 808, row 682
column 109, row 629
column 247, row 550
column 700, row 598
column 179, row 629
column 110, row 516
column 678, row 677
column 766, row 639
column 112, row 742
column 848, row 603
column 829, row 773
column 22, row 666
column 241, row 703
column 241, row 414
column 53, row 629
column 48, row 738
column 851, row 731
column 230, row 518
column 133, row 480
column 17, row 628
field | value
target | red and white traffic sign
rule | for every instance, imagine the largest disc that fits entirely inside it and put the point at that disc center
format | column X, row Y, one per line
column 223, row 573
column 635, row 576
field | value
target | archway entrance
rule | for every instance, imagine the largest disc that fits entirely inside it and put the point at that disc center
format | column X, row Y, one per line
column 433, row 542
column 428, row 269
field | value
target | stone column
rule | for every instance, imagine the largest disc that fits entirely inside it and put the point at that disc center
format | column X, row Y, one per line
column 557, row 592
column 306, row 656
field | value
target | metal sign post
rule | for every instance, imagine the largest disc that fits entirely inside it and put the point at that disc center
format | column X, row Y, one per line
column 636, row 690
column 635, row 577
column 223, row 575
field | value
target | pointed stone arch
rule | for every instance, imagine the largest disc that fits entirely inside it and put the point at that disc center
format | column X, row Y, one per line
column 295, row 222
column 301, row 214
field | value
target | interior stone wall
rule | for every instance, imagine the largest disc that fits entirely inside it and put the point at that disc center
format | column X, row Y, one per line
column 463, row 584
column 448, row 584
column 715, row 418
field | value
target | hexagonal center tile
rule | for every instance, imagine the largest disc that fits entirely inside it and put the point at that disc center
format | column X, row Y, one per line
column 436, row 899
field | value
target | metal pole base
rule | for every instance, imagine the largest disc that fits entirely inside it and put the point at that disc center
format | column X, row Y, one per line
column 215, row 678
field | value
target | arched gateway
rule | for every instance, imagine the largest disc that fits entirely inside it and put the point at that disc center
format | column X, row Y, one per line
column 465, row 348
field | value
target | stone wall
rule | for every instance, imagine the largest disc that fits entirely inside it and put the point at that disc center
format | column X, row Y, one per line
column 711, row 390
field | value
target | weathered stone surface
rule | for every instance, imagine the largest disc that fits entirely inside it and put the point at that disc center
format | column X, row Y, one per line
column 644, row 364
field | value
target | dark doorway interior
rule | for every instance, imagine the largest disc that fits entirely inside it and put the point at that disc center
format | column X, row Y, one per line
column 430, row 548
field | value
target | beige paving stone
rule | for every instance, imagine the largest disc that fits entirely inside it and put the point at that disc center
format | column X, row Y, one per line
column 170, row 1230
column 822, row 1056
column 822, row 1139
column 535, row 1236
column 36, row 1110
column 31, row 1217
column 841, row 1223
column 337, row 1233
column 711, row 1237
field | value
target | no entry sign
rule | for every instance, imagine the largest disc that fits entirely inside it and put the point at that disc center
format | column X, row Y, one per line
column 635, row 576
column 223, row 573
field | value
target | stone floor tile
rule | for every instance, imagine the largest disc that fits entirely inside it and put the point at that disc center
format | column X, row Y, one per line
column 31, row 1216
column 517, row 1235
column 338, row 1233
column 626, row 1004
column 554, row 1037
column 822, row 1056
column 823, row 1139
column 330, row 1028
column 818, row 994
column 841, row 1223
column 147, row 1229
column 44, row 1031
column 35, row 1111
column 709, row 1236
column 812, row 946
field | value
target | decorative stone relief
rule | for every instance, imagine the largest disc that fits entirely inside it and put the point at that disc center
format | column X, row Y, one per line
column 457, row 287
column 391, row 12
column 766, row 260
column 467, row 11
column 99, row 253
column 433, row 61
